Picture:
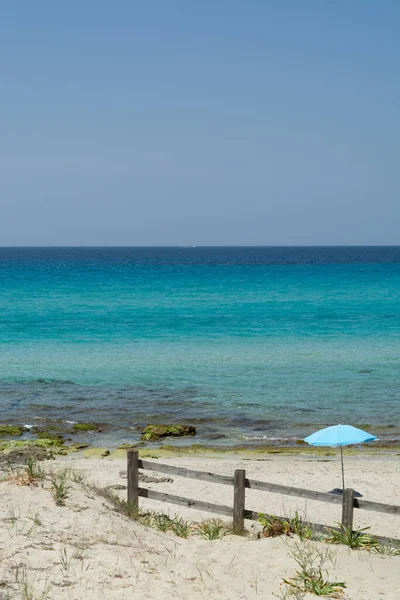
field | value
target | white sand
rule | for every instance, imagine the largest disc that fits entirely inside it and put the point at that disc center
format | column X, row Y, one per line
column 86, row 551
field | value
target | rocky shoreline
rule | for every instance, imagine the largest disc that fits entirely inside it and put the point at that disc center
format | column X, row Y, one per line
column 55, row 439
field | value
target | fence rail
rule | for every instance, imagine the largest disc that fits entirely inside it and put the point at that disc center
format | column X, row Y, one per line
column 219, row 509
column 239, row 482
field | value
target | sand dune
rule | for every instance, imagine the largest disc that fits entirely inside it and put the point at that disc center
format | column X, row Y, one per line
column 86, row 550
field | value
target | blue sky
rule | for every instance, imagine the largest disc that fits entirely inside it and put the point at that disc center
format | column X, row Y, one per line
column 183, row 122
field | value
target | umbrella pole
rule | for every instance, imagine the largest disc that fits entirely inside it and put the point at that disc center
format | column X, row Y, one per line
column 341, row 457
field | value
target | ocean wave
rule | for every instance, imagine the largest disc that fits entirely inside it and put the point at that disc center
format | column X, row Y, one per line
column 269, row 438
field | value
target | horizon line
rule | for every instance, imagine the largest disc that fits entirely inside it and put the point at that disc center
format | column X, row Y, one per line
column 186, row 247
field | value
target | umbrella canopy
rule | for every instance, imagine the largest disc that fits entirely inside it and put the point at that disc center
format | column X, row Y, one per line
column 339, row 435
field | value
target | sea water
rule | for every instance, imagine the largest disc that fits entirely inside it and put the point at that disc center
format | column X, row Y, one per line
column 252, row 345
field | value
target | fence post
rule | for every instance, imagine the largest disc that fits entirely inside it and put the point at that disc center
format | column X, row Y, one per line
column 348, row 508
column 133, row 479
column 239, row 491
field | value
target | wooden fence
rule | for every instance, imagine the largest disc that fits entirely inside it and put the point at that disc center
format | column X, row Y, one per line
column 239, row 481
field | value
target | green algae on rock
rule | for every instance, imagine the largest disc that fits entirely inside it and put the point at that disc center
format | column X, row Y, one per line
column 47, row 435
column 28, row 445
column 128, row 446
column 94, row 452
column 78, row 427
column 76, row 447
column 153, row 433
column 12, row 430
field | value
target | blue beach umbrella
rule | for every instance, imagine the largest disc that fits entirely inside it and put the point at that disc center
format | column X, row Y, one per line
column 339, row 435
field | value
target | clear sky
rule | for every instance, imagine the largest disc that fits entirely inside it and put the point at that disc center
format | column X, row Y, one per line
column 212, row 122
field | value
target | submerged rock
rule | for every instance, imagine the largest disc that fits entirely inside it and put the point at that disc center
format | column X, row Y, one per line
column 53, row 427
column 78, row 427
column 215, row 436
column 153, row 433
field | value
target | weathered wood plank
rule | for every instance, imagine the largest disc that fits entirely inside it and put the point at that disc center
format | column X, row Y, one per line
column 239, row 501
column 182, row 472
column 195, row 504
column 133, row 478
column 389, row 509
column 275, row 488
column 348, row 508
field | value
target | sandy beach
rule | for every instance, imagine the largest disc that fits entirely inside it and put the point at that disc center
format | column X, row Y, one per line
column 87, row 550
column 200, row 271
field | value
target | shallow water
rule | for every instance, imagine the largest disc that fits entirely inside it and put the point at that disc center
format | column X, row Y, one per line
column 250, row 344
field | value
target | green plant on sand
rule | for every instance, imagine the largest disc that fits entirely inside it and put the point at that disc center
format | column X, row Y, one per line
column 60, row 489
column 160, row 521
column 34, row 470
column 181, row 528
column 26, row 586
column 212, row 529
column 357, row 540
column 163, row 522
column 31, row 474
column 275, row 526
column 387, row 549
column 311, row 576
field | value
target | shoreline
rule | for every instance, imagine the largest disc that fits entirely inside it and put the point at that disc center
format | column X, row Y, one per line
column 88, row 450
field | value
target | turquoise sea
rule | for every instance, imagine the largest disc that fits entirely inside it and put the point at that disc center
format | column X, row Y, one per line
column 251, row 345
